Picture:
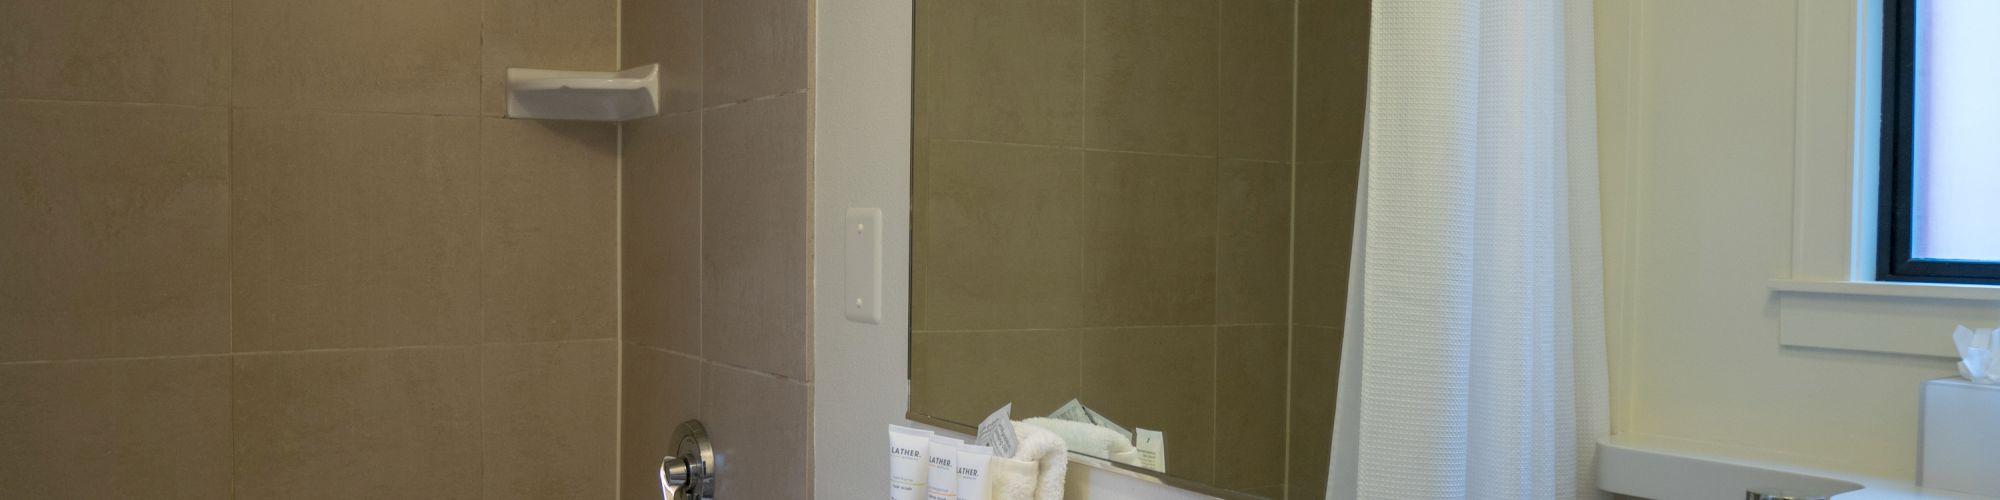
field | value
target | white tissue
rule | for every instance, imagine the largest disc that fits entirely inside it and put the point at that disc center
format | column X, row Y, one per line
column 1978, row 353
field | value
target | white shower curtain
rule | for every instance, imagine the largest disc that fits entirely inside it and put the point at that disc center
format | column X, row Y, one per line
column 1474, row 360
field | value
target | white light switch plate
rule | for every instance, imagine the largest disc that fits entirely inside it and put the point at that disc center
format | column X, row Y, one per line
column 864, row 265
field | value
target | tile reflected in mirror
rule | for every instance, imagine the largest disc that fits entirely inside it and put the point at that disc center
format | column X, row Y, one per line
column 1143, row 206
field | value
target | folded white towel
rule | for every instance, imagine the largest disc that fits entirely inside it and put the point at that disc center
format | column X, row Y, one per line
column 1090, row 439
column 1036, row 471
column 1010, row 479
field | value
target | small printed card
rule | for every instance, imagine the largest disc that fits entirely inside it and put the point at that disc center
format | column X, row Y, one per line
column 1153, row 450
column 998, row 432
column 1075, row 411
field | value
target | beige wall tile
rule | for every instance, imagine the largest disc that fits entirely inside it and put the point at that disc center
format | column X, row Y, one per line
column 1250, row 394
column 1316, row 376
column 1000, row 71
column 754, row 48
column 963, row 376
column 386, row 423
column 1325, row 236
column 660, row 390
column 550, row 420
column 547, row 34
column 1150, row 76
column 666, row 32
column 920, row 160
column 999, row 237
column 661, row 261
column 153, row 428
column 1161, row 379
column 756, row 243
column 1149, row 239
column 172, row 52
column 762, row 428
column 1253, row 243
column 662, row 232
column 118, row 224
column 410, row 56
column 1256, row 79
column 354, row 230
column 1333, row 79
column 550, row 230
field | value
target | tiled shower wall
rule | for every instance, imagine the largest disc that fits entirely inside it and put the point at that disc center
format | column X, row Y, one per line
column 717, row 244
column 287, row 249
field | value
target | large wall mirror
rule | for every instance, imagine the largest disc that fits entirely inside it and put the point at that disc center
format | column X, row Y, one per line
column 1144, row 207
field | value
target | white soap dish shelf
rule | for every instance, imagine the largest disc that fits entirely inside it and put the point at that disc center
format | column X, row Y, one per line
column 605, row 96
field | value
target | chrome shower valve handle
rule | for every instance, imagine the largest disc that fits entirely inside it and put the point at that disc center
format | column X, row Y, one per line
column 689, row 473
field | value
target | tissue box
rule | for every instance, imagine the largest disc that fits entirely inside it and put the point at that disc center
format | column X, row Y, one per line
column 1961, row 437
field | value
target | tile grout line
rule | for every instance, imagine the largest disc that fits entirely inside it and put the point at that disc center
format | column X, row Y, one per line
column 813, row 272
column 480, row 259
column 701, row 205
column 1215, row 263
column 1115, row 327
column 746, row 369
column 1086, row 149
column 701, row 235
column 662, row 350
column 232, row 106
column 618, row 277
column 233, row 479
column 702, row 380
column 1082, row 181
column 229, row 104
column 322, row 350
column 1291, row 255
column 229, row 221
column 748, row 100
column 101, row 102
column 1083, row 77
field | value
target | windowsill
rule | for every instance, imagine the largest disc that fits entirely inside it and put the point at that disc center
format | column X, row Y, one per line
column 1883, row 317
column 1890, row 289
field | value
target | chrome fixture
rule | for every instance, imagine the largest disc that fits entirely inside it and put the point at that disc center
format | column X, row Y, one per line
column 1778, row 494
column 689, row 473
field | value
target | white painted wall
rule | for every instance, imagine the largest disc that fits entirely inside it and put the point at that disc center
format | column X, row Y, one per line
column 861, row 158
column 1698, row 100
column 861, row 134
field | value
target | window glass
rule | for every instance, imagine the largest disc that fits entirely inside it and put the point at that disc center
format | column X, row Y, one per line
column 1956, row 131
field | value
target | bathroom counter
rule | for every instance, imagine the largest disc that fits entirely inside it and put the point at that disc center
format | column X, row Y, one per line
column 1669, row 469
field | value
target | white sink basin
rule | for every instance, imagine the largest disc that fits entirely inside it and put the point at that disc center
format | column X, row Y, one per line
column 1664, row 475
column 1663, row 470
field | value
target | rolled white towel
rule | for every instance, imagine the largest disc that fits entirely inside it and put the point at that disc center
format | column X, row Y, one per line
column 1036, row 471
column 1090, row 439
column 1011, row 479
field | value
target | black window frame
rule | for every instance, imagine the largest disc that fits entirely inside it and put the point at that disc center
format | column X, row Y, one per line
column 1894, row 261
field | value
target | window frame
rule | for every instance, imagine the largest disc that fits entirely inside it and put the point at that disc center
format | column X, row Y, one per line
column 1895, row 261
